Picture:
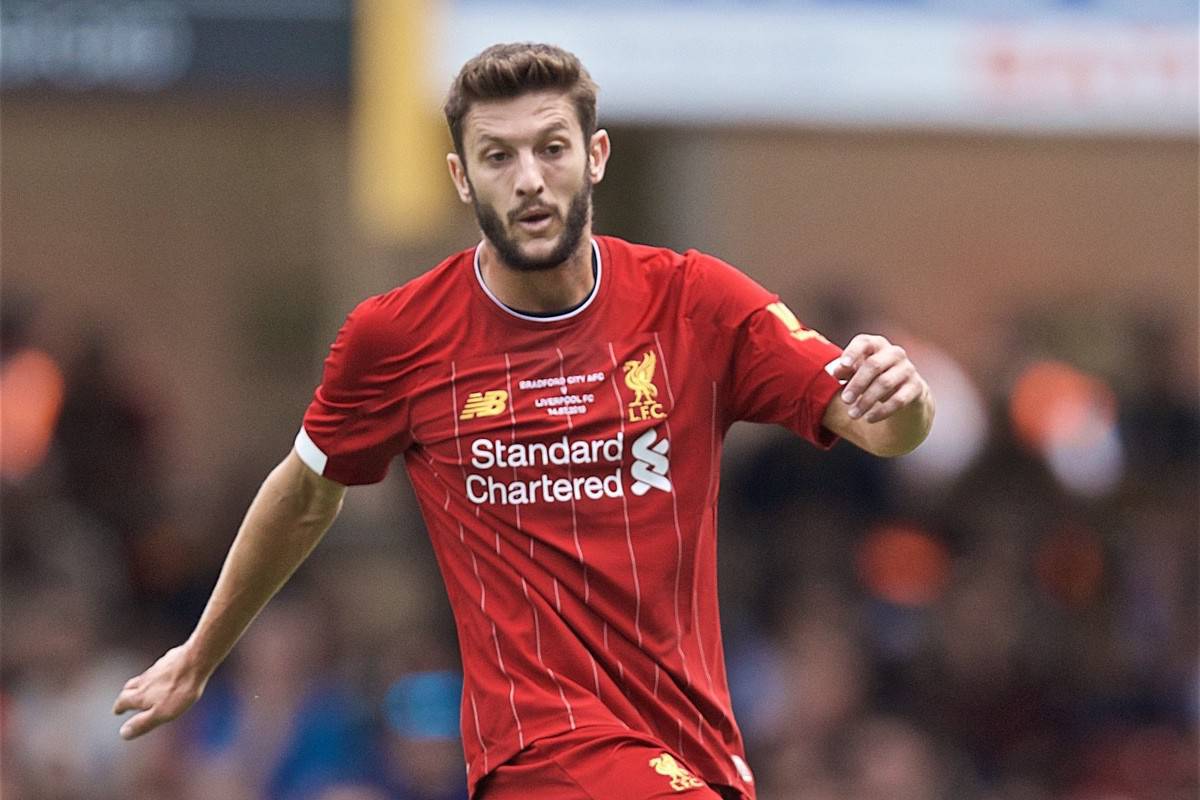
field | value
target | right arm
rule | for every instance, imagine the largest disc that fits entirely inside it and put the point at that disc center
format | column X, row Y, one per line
column 288, row 517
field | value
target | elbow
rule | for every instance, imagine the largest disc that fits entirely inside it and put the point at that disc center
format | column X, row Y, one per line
column 318, row 509
column 302, row 496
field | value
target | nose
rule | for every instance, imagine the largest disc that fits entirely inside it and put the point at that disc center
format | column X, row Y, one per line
column 529, row 176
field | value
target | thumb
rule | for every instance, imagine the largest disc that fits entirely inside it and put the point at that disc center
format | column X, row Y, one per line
column 139, row 724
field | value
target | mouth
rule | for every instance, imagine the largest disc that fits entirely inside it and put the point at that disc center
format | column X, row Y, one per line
column 535, row 220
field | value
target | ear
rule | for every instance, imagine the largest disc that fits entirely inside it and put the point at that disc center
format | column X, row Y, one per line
column 458, row 174
column 599, row 148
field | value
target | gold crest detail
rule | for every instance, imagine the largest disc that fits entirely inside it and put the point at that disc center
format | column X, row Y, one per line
column 681, row 779
column 639, row 377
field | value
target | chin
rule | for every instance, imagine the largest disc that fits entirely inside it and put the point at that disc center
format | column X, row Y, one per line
column 539, row 249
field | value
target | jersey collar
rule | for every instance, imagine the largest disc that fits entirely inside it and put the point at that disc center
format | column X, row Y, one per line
column 577, row 310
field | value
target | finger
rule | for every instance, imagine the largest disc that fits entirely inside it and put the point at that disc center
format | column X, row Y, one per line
column 874, row 366
column 128, row 700
column 863, row 345
column 904, row 396
column 866, row 373
column 133, row 682
column 140, row 724
column 884, row 386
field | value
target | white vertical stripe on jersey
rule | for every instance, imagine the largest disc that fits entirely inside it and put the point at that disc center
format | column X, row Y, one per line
column 454, row 416
column 537, row 637
column 475, row 566
column 587, row 592
column 479, row 733
column 637, row 586
column 687, row 677
column 445, row 506
column 512, row 418
column 712, row 458
column 620, row 666
column 512, row 687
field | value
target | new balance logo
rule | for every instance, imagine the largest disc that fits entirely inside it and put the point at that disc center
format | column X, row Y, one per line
column 650, row 463
column 484, row 404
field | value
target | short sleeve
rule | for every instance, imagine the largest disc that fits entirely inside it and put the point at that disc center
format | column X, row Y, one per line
column 358, row 419
column 778, row 370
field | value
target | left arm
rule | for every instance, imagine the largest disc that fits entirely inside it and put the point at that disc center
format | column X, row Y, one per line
column 885, row 407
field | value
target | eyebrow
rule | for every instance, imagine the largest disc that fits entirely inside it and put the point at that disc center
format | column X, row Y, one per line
column 553, row 128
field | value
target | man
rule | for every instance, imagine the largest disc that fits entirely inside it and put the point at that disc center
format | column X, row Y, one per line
column 560, row 402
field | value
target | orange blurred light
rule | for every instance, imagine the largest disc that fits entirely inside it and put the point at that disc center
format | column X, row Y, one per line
column 904, row 565
column 31, row 396
column 1054, row 403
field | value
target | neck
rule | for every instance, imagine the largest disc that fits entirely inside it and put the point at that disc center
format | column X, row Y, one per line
column 541, row 291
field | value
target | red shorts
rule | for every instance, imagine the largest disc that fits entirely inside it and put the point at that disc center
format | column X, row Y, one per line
column 598, row 764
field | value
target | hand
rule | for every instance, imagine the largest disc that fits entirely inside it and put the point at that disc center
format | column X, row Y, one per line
column 161, row 693
column 880, row 380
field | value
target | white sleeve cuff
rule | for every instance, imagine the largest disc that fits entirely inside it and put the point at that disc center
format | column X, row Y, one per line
column 831, row 368
column 309, row 453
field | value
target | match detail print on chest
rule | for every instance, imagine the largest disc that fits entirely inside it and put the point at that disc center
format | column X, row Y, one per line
column 540, row 393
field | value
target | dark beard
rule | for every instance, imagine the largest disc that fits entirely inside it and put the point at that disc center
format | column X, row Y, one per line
column 510, row 253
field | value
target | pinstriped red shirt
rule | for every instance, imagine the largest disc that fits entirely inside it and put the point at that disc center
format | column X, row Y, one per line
column 567, row 470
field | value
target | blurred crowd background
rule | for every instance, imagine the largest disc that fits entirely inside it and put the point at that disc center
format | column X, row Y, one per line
column 194, row 193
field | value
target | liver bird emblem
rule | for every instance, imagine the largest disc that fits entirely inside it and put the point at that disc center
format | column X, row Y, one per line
column 681, row 779
column 639, row 377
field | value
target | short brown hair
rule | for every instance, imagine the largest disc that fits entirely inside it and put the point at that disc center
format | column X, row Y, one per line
column 511, row 70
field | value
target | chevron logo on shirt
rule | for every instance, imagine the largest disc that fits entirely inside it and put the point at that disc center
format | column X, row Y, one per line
column 650, row 463
column 484, row 404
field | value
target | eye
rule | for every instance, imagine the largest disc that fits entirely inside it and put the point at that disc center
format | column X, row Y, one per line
column 555, row 149
column 496, row 157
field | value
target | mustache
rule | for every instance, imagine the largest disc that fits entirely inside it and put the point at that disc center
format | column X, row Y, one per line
column 526, row 208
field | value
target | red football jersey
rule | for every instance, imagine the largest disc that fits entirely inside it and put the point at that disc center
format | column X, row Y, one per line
column 567, row 470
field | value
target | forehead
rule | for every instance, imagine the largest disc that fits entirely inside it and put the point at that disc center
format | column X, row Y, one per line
column 520, row 117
